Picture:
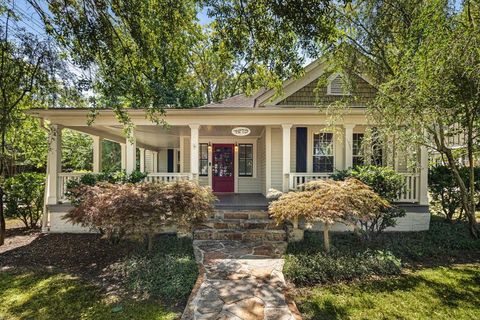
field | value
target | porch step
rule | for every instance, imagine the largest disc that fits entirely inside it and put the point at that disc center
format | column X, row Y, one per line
column 240, row 224
column 240, row 214
column 242, row 235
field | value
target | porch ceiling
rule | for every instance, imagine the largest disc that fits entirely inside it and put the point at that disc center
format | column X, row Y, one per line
column 154, row 137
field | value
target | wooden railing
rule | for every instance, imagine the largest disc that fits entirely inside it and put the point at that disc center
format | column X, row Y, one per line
column 298, row 179
column 63, row 178
column 410, row 192
column 168, row 176
column 411, row 188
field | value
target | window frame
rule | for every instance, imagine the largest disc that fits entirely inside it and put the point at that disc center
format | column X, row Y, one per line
column 358, row 155
column 332, row 155
column 240, row 174
column 330, row 79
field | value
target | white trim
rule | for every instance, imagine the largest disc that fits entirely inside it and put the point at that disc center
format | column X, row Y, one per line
column 313, row 132
column 268, row 159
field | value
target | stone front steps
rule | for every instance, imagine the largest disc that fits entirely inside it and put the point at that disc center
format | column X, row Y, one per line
column 240, row 225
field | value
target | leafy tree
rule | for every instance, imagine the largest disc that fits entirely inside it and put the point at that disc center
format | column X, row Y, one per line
column 77, row 151
column 31, row 73
column 351, row 202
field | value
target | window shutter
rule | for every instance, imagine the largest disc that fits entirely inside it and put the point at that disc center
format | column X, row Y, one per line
column 301, row 155
column 170, row 160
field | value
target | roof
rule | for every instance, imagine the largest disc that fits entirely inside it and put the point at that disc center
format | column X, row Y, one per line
column 237, row 101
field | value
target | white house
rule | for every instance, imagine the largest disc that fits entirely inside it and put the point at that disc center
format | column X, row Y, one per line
column 242, row 145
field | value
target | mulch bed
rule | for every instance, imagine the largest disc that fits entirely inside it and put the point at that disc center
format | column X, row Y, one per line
column 84, row 255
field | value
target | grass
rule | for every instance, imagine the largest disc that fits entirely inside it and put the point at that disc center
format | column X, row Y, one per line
column 32, row 295
column 432, row 293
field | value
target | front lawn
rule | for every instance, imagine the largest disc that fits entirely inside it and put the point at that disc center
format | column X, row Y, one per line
column 432, row 293
column 81, row 276
column 38, row 295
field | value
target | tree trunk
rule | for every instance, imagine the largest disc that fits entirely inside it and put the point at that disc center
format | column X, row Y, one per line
column 3, row 226
column 326, row 237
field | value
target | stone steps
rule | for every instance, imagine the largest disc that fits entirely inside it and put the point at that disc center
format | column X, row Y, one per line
column 248, row 225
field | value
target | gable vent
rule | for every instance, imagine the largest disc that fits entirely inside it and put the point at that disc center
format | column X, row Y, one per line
column 335, row 86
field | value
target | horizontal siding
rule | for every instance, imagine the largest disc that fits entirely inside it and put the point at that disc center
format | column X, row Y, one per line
column 186, row 155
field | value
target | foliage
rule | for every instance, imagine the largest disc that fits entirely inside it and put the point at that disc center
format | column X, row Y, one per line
column 383, row 180
column 351, row 202
column 448, row 292
column 135, row 211
column 77, row 151
column 310, row 269
column 387, row 183
column 45, row 296
column 169, row 273
column 25, row 193
column 446, row 196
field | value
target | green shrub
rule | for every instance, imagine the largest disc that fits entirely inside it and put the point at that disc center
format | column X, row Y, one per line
column 316, row 268
column 168, row 274
column 387, row 183
column 24, row 197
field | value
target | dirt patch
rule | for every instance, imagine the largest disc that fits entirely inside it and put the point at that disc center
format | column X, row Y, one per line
column 84, row 255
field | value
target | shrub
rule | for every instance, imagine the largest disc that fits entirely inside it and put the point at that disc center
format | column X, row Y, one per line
column 168, row 274
column 444, row 190
column 387, row 183
column 351, row 202
column 24, row 197
column 135, row 211
column 317, row 268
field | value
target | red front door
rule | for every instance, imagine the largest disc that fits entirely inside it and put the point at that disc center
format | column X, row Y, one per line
column 223, row 168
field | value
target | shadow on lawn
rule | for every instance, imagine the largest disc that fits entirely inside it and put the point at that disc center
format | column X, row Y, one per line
column 451, row 286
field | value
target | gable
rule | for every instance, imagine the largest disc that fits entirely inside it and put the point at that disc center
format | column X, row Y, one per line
column 312, row 95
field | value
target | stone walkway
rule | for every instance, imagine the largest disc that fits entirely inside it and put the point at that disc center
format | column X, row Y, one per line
column 241, row 281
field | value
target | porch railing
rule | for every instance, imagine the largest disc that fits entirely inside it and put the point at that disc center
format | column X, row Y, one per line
column 298, row 179
column 168, row 176
column 410, row 192
column 63, row 178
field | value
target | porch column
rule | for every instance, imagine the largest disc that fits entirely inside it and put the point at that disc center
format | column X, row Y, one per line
column 142, row 159
column 155, row 161
column 123, row 156
column 54, row 163
column 423, row 185
column 286, row 156
column 97, row 154
column 348, row 145
column 131, row 153
column 268, row 159
column 194, row 128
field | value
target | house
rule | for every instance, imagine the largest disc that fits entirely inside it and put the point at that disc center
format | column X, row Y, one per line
column 243, row 146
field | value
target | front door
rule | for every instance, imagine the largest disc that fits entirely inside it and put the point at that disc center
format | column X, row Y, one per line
column 223, row 168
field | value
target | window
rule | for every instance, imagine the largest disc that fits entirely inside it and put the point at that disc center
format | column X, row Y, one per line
column 245, row 160
column 203, row 159
column 357, row 150
column 323, row 158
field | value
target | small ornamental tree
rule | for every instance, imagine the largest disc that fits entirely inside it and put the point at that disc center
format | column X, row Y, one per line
column 140, row 210
column 349, row 202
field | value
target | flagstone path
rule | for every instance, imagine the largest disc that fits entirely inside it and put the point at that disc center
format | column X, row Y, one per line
column 240, row 281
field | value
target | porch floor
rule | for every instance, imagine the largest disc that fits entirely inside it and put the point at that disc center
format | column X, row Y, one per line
column 241, row 201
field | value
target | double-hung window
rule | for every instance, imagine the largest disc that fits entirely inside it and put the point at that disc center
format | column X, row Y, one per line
column 357, row 153
column 203, row 159
column 245, row 160
column 323, row 158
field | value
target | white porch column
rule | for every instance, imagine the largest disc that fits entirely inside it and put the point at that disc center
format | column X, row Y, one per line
column 54, row 163
column 123, row 155
column 182, row 154
column 194, row 128
column 423, row 185
column 349, row 145
column 268, row 159
column 142, row 159
column 286, row 155
column 97, row 153
column 131, row 153
column 155, row 161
